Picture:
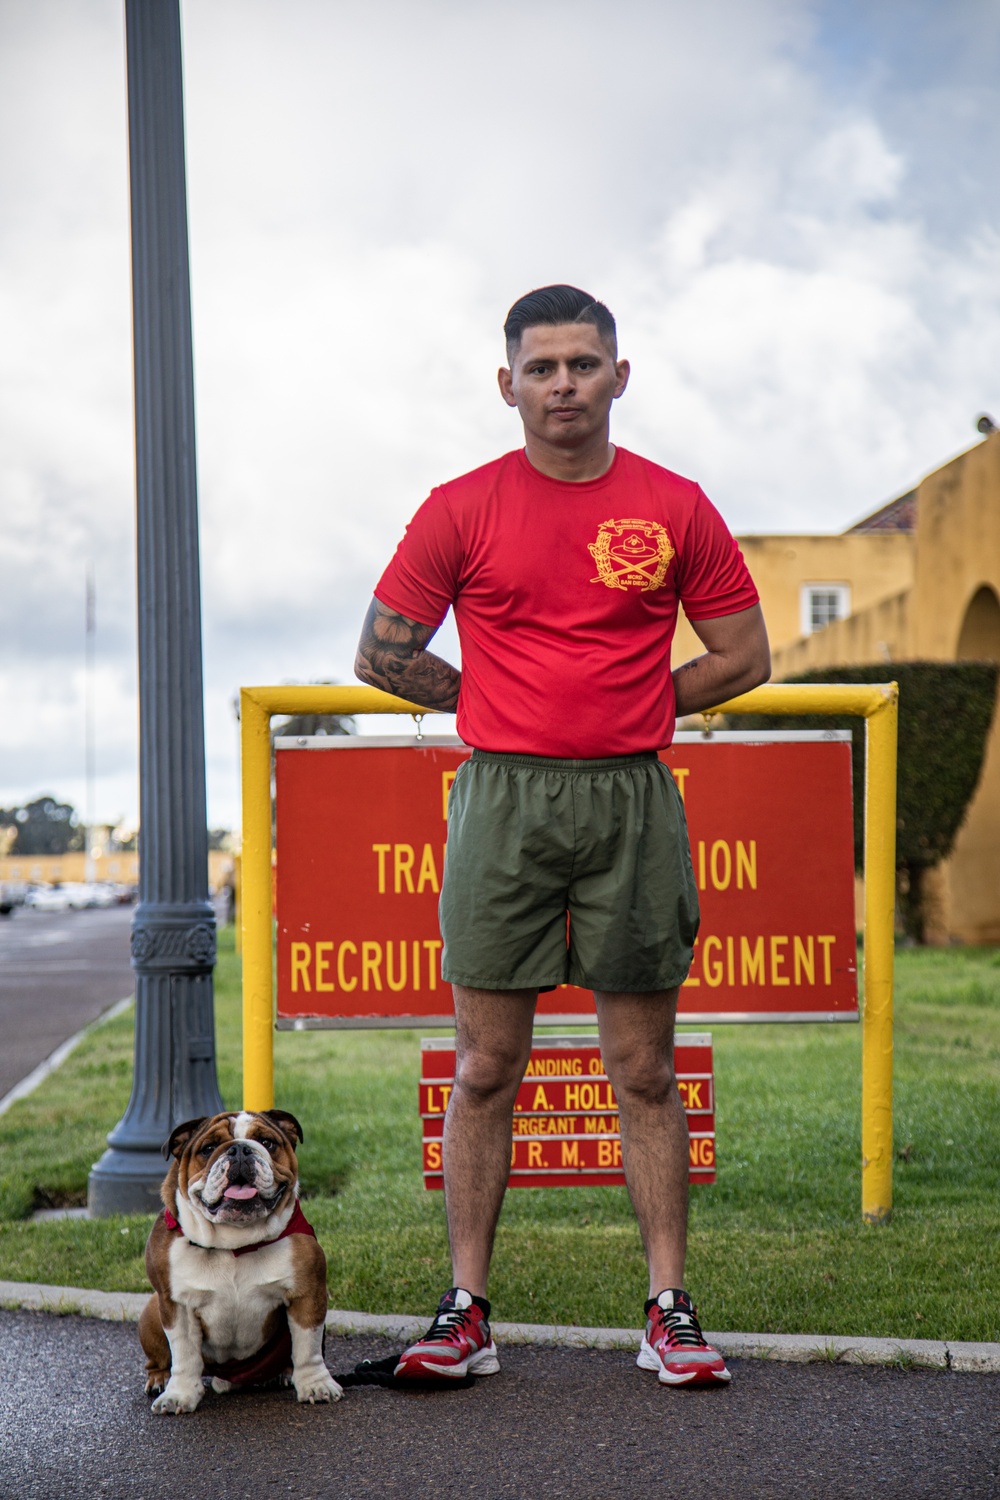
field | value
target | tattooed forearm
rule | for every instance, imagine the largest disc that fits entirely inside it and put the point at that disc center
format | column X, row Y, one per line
column 392, row 656
column 737, row 659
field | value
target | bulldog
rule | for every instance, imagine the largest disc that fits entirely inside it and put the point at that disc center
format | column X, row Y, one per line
column 238, row 1275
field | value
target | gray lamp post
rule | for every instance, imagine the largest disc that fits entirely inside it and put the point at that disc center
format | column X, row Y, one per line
column 173, row 931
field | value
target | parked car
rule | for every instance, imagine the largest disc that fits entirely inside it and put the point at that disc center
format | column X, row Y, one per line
column 79, row 894
column 47, row 898
column 12, row 894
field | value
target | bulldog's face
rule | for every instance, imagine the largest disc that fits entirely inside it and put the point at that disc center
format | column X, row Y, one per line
column 236, row 1168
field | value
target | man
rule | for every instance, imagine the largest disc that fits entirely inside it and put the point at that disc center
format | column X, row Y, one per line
column 565, row 563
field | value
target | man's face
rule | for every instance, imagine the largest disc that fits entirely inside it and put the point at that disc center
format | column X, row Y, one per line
column 563, row 380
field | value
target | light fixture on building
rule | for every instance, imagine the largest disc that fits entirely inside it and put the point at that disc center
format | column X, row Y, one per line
column 985, row 424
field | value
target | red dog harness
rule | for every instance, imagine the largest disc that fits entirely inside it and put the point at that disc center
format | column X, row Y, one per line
column 297, row 1224
column 275, row 1358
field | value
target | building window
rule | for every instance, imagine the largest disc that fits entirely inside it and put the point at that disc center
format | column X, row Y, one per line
column 822, row 603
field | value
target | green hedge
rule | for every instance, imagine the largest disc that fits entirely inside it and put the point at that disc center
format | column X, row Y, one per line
column 945, row 712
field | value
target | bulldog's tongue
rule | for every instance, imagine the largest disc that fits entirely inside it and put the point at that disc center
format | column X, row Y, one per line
column 242, row 1191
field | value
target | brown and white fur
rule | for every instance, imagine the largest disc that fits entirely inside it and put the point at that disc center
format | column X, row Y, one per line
column 233, row 1182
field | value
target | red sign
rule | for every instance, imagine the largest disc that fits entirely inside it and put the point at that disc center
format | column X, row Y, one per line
column 566, row 1115
column 361, row 829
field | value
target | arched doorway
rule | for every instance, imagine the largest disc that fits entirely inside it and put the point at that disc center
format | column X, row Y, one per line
column 979, row 637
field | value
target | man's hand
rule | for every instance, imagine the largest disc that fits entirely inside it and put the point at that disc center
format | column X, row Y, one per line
column 392, row 656
column 738, row 659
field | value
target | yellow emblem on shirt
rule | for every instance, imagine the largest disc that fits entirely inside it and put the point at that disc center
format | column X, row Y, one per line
column 631, row 554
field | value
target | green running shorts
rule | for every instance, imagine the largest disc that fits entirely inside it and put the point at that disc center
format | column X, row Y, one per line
column 531, row 840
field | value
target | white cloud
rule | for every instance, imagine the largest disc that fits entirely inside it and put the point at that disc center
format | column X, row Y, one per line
column 853, row 167
column 369, row 189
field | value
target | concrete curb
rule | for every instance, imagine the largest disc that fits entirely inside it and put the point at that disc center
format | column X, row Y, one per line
column 111, row 1307
column 795, row 1348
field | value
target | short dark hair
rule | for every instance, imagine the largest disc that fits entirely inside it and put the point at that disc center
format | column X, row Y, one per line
column 553, row 305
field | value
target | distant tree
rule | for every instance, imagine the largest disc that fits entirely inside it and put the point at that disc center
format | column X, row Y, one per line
column 44, row 826
column 218, row 838
column 301, row 725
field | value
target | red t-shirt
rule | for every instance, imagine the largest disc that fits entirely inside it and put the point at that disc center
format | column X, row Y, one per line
column 565, row 598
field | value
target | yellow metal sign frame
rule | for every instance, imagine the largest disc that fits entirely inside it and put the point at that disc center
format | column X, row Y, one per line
column 876, row 703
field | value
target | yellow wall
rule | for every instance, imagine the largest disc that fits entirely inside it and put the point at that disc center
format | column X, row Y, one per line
column 875, row 564
column 951, row 612
column 118, row 869
column 878, row 634
column 957, row 589
column 958, row 546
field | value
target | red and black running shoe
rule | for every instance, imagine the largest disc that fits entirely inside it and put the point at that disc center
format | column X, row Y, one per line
column 674, row 1345
column 457, row 1343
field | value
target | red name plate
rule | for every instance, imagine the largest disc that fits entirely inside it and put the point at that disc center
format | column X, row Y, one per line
column 566, row 1115
column 361, row 840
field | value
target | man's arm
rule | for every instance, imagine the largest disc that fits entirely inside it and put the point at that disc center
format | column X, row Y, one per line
column 392, row 656
column 738, row 658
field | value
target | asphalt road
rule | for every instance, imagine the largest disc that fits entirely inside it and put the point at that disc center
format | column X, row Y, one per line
column 555, row 1422
column 58, row 971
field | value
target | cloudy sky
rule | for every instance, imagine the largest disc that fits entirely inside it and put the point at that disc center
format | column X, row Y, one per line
column 790, row 205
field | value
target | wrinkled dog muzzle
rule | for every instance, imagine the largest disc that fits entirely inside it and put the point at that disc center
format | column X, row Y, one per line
column 240, row 1184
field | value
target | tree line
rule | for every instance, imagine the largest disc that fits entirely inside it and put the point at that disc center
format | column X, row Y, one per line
column 46, row 826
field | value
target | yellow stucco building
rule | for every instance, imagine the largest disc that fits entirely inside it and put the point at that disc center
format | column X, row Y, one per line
column 117, row 867
column 917, row 580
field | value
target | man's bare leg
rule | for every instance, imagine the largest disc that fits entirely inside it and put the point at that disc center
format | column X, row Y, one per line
column 492, row 1046
column 637, row 1043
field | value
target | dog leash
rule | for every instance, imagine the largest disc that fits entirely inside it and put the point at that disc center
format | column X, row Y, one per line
column 380, row 1372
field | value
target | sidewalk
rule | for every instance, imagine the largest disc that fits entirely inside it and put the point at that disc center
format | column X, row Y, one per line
column 794, row 1348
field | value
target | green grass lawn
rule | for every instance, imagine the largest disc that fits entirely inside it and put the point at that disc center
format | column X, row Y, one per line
column 777, row 1244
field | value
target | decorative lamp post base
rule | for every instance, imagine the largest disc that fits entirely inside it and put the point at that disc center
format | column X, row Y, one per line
column 125, row 1182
